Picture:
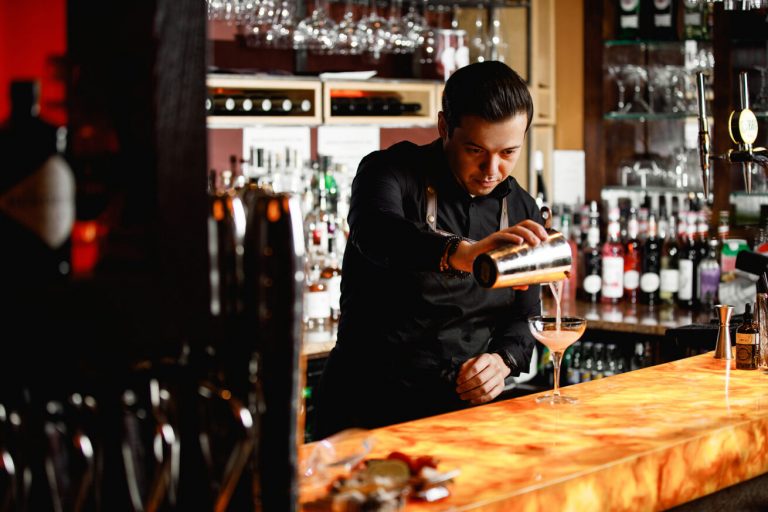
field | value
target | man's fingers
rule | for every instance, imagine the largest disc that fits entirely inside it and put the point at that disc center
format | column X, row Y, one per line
column 487, row 397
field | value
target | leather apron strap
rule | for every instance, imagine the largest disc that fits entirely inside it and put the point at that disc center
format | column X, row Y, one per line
column 432, row 210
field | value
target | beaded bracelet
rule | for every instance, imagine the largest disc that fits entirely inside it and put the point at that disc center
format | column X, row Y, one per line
column 450, row 248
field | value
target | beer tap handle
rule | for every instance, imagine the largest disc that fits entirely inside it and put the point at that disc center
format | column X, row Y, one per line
column 703, row 136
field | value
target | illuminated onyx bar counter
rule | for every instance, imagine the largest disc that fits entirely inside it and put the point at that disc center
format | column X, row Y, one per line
column 644, row 440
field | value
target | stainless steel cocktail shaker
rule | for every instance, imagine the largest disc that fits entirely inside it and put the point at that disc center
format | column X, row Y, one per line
column 522, row 264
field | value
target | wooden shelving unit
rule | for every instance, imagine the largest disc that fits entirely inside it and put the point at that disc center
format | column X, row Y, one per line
column 297, row 89
column 407, row 91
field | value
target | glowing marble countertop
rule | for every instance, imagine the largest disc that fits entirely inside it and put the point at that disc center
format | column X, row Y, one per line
column 643, row 440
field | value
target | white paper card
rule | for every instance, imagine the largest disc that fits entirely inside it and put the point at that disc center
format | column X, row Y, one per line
column 276, row 139
column 568, row 177
column 347, row 145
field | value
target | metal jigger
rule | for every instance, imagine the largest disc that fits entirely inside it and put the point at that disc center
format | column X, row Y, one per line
column 723, row 346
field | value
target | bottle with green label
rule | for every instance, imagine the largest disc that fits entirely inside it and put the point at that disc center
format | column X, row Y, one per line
column 694, row 13
column 663, row 20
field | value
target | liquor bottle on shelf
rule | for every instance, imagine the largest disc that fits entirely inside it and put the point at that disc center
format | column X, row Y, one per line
column 600, row 362
column 590, row 267
column 650, row 279
column 724, row 226
column 632, row 260
column 694, row 19
column 37, row 196
column 670, row 274
column 612, row 257
column 709, row 277
column 612, row 360
column 628, row 22
column 663, row 20
column 687, row 294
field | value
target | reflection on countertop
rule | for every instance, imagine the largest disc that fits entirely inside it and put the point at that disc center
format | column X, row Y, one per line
column 643, row 440
column 625, row 317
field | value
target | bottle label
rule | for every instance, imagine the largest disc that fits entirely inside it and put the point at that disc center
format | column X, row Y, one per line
column 661, row 4
column 685, row 292
column 744, row 338
column 317, row 305
column 44, row 202
column 692, row 4
column 670, row 280
column 649, row 282
column 692, row 19
column 333, row 285
column 592, row 284
column 662, row 20
column 613, row 277
column 629, row 21
column 573, row 376
column 631, row 279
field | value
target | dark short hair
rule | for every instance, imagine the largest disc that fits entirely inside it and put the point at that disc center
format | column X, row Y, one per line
column 491, row 90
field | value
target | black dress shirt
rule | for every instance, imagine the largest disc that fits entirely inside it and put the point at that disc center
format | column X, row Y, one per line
column 405, row 327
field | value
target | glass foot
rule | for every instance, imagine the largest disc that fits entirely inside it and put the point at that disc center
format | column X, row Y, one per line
column 556, row 399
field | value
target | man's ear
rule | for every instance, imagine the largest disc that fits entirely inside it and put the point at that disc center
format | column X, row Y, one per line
column 442, row 126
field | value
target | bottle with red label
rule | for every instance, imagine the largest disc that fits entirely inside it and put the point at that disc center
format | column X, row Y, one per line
column 612, row 256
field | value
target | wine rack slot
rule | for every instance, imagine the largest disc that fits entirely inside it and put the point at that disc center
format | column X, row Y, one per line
column 235, row 101
column 380, row 102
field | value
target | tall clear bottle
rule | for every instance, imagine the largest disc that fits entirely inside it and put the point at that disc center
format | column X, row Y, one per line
column 669, row 273
column 612, row 256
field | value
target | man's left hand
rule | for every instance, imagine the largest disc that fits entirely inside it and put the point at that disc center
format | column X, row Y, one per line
column 481, row 378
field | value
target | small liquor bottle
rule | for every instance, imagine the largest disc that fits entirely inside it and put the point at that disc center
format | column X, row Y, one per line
column 748, row 342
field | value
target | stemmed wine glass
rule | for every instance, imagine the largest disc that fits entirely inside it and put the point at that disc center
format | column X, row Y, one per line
column 557, row 334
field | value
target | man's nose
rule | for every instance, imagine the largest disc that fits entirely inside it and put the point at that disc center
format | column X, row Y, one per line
column 491, row 163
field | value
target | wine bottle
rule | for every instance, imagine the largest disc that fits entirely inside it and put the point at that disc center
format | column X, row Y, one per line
column 688, row 262
column 663, row 25
column 612, row 255
column 37, row 196
column 628, row 22
column 632, row 259
column 670, row 274
column 694, row 14
column 651, row 265
column 590, row 268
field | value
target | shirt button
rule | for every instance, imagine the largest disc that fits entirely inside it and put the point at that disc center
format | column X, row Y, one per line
column 430, row 218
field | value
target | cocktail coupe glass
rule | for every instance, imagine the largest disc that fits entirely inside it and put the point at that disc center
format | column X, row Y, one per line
column 557, row 336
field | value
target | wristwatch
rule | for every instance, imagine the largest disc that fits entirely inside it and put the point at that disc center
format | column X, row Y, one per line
column 509, row 359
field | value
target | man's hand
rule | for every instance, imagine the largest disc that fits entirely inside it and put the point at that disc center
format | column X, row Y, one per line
column 528, row 231
column 481, row 378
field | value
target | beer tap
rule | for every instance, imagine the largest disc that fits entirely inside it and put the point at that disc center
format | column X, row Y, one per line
column 742, row 127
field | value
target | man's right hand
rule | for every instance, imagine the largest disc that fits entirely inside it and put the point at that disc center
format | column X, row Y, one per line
column 527, row 231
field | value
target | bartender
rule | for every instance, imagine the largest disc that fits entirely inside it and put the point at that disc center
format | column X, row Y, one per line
column 418, row 335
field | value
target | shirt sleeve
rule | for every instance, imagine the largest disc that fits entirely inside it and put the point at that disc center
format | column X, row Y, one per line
column 512, row 334
column 379, row 227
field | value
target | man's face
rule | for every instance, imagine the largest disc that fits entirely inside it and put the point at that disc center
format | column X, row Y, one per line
column 482, row 153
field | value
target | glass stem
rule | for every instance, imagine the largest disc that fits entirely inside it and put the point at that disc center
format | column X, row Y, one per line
column 556, row 358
